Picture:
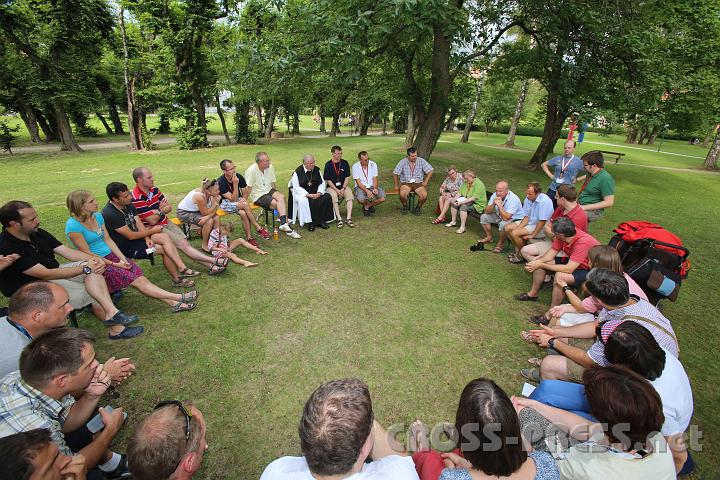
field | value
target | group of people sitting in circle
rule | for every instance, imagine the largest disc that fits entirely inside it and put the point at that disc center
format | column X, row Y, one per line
column 613, row 399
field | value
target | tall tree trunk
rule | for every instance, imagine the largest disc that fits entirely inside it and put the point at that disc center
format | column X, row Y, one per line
column 259, row 116
column 136, row 139
column 510, row 142
column 473, row 111
column 50, row 134
column 365, row 122
column 411, row 128
column 653, row 135
column 28, row 116
column 64, row 129
column 222, row 118
column 115, row 117
column 384, row 122
column 632, row 135
column 708, row 135
column 164, row 125
column 322, row 124
column 556, row 113
column 270, row 121
column 104, row 122
column 450, row 122
column 296, row 123
column 335, row 129
column 712, row 157
column 199, row 105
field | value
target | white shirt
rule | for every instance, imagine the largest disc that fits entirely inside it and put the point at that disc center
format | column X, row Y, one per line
column 673, row 386
column 260, row 182
column 365, row 177
column 188, row 203
column 392, row 467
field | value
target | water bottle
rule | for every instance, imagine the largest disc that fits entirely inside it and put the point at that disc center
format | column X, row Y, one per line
column 276, row 215
column 275, row 234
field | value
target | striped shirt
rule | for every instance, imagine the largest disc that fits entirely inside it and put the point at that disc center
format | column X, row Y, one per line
column 23, row 408
column 610, row 319
column 145, row 204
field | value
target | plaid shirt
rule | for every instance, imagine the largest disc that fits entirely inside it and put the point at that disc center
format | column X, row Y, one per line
column 422, row 168
column 24, row 408
column 610, row 319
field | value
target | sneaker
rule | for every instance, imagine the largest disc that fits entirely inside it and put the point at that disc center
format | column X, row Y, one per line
column 405, row 210
column 372, row 209
column 293, row 234
column 367, row 213
column 120, row 318
column 285, row 228
column 264, row 234
column 129, row 332
column 417, row 211
column 121, row 472
column 531, row 374
column 253, row 242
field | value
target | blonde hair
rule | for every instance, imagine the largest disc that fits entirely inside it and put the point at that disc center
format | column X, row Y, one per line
column 74, row 202
column 605, row 256
column 228, row 227
column 471, row 172
column 207, row 183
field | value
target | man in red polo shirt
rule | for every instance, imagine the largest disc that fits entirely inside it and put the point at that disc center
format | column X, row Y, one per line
column 153, row 207
column 575, row 244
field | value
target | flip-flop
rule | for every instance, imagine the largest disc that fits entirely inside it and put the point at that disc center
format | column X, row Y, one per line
column 534, row 361
column 528, row 337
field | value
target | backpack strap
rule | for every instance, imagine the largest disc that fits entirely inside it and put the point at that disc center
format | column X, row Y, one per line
column 654, row 324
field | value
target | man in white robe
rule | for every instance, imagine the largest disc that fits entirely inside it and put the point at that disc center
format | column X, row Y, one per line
column 314, row 205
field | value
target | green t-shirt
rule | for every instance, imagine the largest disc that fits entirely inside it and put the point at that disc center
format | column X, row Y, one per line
column 478, row 191
column 600, row 186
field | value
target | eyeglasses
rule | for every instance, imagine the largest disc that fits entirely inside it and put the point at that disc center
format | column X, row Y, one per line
column 184, row 411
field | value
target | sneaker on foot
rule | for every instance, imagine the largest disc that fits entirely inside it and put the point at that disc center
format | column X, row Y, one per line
column 293, row 234
column 367, row 213
column 285, row 228
column 405, row 210
column 372, row 209
column 264, row 233
column 128, row 332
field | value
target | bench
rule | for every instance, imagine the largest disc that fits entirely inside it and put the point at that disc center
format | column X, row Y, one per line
column 617, row 155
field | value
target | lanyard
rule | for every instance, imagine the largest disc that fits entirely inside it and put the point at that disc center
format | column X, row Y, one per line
column 564, row 165
column 20, row 328
column 412, row 170
column 366, row 172
column 337, row 171
column 587, row 180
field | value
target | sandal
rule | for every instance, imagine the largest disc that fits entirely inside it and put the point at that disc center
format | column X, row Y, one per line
column 451, row 224
column 189, row 297
column 340, row 224
column 532, row 374
column 188, row 272
column 528, row 337
column 535, row 361
column 178, row 307
column 539, row 320
column 438, row 220
column 498, row 249
column 183, row 283
column 216, row 270
column 350, row 223
column 524, row 297
column 515, row 258
column 460, row 230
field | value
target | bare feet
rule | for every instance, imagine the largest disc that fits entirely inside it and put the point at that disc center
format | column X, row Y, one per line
column 485, row 240
column 418, row 437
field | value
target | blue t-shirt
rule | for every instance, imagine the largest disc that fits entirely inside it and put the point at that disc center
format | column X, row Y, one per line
column 539, row 209
column 545, row 466
column 511, row 204
column 94, row 239
column 567, row 175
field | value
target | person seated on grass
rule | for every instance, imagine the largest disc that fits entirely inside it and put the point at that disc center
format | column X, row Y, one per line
column 485, row 416
column 337, row 176
column 86, row 230
column 624, row 443
column 503, row 208
column 538, row 209
column 233, row 191
column 575, row 244
column 338, row 434
column 598, row 191
column 221, row 245
column 367, row 190
column 314, row 205
column 133, row 239
column 199, row 208
column 584, row 310
column 471, row 198
column 153, row 207
column 169, row 443
column 575, row 344
column 412, row 174
column 32, row 455
column 263, row 192
column 82, row 279
column 449, row 191
column 567, row 207
column 566, row 168
column 36, row 308
column 58, row 388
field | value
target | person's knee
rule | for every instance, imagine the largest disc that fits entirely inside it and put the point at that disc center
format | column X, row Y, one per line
column 553, row 367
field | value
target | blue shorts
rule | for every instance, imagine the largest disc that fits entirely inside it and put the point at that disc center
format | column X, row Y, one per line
column 578, row 275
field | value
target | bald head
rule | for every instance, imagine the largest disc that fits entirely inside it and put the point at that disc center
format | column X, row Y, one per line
column 501, row 189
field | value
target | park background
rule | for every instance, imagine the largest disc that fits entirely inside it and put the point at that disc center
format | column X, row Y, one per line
column 396, row 301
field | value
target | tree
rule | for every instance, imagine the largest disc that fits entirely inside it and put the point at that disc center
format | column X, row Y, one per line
column 712, row 157
column 524, row 85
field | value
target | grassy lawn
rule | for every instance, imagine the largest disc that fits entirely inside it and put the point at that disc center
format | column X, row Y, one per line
column 396, row 301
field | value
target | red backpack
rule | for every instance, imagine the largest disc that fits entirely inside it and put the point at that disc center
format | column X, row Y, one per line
column 631, row 232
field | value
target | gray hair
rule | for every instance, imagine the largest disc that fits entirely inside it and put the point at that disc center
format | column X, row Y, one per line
column 307, row 157
column 564, row 226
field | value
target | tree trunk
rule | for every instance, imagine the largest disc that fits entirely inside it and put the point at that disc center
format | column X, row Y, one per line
column 510, row 142
column 164, row 126
column 259, row 116
column 384, row 121
column 270, row 120
column 450, row 122
column 295, row 123
column 365, row 122
column 556, row 113
column 712, row 156
column 653, row 135
column 115, row 117
column 199, row 105
column 104, row 122
column 222, row 118
column 335, row 129
column 136, row 140
column 631, row 137
column 64, row 129
column 411, row 128
column 473, row 112
column 50, row 134
column 709, row 134
column 31, row 123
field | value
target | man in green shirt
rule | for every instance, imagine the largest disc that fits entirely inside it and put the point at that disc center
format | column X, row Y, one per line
column 598, row 191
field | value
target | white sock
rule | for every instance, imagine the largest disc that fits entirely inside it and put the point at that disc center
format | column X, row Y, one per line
column 111, row 464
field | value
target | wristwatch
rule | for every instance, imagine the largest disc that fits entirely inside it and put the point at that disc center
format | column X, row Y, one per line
column 551, row 343
column 566, row 288
column 86, row 270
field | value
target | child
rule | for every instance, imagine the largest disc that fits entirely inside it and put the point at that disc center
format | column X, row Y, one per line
column 220, row 248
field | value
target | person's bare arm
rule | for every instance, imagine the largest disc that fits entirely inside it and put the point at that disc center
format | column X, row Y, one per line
column 546, row 169
column 569, row 267
column 607, row 202
column 396, row 181
column 538, row 228
column 427, row 178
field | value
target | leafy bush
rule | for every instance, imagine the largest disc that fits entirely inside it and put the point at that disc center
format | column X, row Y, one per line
column 190, row 137
column 7, row 139
column 246, row 131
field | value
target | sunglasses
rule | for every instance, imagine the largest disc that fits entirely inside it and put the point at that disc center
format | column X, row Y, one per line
column 184, row 411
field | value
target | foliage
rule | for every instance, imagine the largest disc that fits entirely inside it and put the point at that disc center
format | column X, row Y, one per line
column 192, row 135
column 7, row 137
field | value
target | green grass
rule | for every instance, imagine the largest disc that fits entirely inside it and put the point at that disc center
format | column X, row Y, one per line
column 396, row 301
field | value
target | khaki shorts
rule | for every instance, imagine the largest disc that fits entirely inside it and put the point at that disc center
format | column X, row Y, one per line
column 191, row 218
column 75, row 287
column 575, row 371
column 348, row 195
column 176, row 235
